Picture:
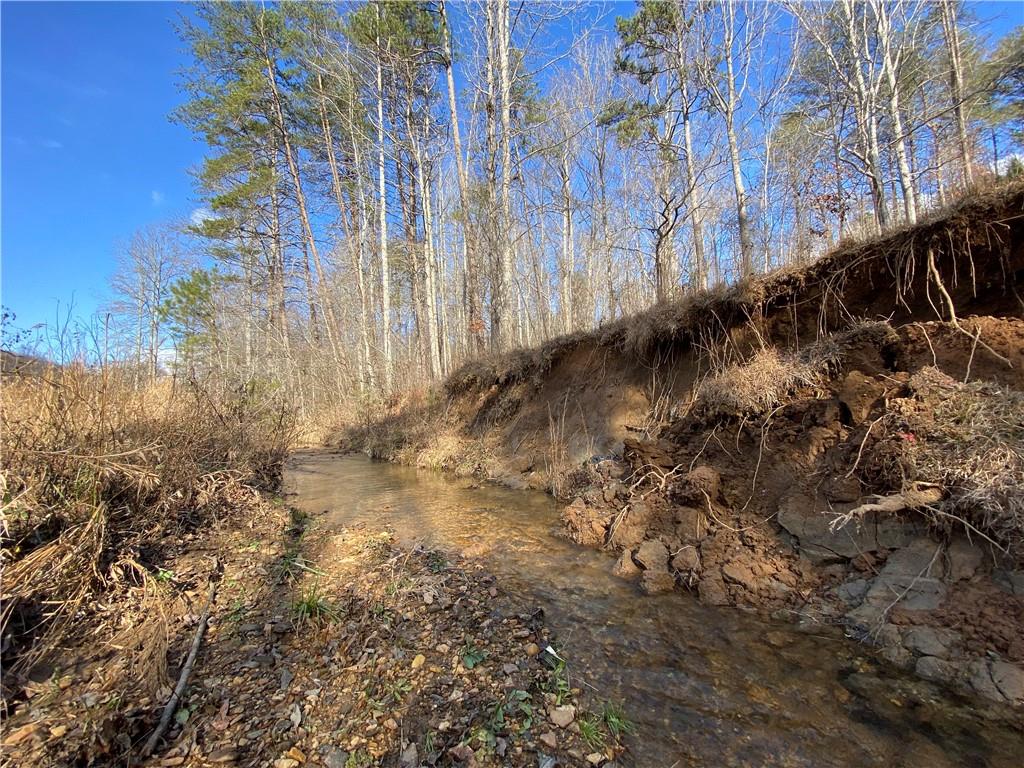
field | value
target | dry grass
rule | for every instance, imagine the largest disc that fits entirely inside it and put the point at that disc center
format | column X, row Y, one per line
column 969, row 440
column 95, row 471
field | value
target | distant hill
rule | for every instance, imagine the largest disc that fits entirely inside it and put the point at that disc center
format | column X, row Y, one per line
column 12, row 362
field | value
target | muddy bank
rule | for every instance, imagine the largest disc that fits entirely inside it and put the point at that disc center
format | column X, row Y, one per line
column 840, row 444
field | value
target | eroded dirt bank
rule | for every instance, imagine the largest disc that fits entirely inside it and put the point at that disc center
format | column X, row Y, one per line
column 841, row 444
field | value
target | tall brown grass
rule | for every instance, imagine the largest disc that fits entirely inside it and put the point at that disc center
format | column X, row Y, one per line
column 96, row 471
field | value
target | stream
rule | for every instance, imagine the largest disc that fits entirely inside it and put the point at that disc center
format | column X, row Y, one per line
column 704, row 686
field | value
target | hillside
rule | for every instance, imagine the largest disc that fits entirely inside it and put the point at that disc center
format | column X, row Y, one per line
column 835, row 444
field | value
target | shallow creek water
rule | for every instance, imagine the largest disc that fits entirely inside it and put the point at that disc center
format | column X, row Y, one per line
column 704, row 686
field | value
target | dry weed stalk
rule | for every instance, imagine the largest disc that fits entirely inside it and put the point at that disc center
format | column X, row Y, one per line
column 94, row 467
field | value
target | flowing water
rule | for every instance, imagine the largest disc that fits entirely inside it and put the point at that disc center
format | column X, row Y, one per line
column 705, row 686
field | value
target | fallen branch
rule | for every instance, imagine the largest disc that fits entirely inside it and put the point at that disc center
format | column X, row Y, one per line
column 186, row 671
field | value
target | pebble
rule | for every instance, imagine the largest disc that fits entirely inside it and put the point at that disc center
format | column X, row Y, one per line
column 419, row 661
column 595, row 758
column 549, row 739
column 223, row 755
column 563, row 716
column 532, row 649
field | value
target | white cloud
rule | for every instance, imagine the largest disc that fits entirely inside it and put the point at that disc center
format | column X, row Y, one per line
column 157, row 197
column 199, row 215
column 50, row 144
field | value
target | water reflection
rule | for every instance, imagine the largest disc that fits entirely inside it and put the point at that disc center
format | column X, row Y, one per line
column 705, row 686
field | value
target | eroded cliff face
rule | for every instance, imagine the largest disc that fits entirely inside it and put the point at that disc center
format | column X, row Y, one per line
column 842, row 444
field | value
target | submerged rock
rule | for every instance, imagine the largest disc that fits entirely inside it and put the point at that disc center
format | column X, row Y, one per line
column 625, row 567
column 656, row 582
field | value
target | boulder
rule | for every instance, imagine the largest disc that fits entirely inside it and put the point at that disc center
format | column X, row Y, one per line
column 740, row 571
column 703, row 480
column 859, row 393
column 1009, row 679
column 852, row 592
column 691, row 524
column 979, row 677
column 584, row 524
column 1011, row 581
column 910, row 579
column 712, row 591
column 625, row 567
column 686, row 560
column 929, row 641
column 652, row 556
column 632, row 526
column 963, row 559
column 937, row 670
column 802, row 516
column 656, row 582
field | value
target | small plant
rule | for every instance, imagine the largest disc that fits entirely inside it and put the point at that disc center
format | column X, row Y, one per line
column 298, row 517
column 382, row 613
column 471, row 655
column 615, row 718
column 378, row 545
column 517, row 705
column 397, row 689
column 163, row 576
column 398, row 585
column 559, row 683
column 436, row 562
column 485, row 737
column 590, row 731
column 313, row 607
column 428, row 744
column 237, row 611
column 359, row 759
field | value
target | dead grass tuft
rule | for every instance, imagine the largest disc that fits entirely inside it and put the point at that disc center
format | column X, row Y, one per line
column 969, row 440
column 95, row 470
column 764, row 381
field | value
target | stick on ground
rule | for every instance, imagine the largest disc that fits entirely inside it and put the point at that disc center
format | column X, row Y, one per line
column 179, row 689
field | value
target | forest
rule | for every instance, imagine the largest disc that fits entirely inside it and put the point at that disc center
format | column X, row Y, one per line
column 393, row 188
column 538, row 384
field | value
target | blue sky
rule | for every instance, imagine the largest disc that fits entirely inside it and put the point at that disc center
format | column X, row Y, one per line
column 88, row 153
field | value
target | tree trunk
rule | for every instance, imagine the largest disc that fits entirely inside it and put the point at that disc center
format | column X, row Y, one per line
column 956, row 85
column 385, row 264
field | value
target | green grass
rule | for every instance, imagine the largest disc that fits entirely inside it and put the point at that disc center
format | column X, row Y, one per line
column 616, row 720
column 590, row 731
column 313, row 607
column 292, row 563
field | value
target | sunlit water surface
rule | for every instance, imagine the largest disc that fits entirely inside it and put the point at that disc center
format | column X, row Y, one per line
column 704, row 686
